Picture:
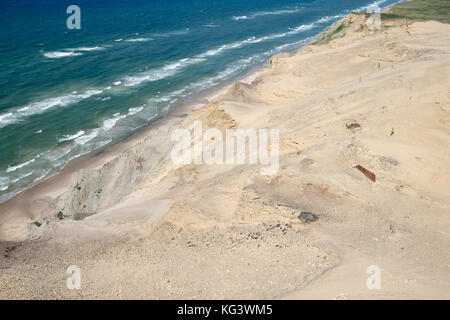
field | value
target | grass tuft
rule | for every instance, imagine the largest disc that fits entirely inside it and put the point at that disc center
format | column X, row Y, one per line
column 438, row 10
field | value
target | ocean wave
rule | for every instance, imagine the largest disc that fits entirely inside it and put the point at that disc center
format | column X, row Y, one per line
column 267, row 13
column 138, row 40
column 110, row 123
column 135, row 110
column 253, row 40
column 171, row 33
column 71, row 52
column 24, row 164
column 224, row 47
column 61, row 54
column 4, row 183
column 107, row 125
column 156, row 74
column 71, row 137
column 22, row 176
column 42, row 106
column 211, row 25
column 96, row 48
column 86, row 137
column 240, row 17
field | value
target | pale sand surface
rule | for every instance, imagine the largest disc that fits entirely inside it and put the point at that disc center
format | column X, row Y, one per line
column 146, row 228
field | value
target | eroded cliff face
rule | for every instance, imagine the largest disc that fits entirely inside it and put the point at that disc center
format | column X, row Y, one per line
column 93, row 190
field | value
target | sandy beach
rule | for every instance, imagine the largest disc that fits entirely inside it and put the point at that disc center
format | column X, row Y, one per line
column 141, row 227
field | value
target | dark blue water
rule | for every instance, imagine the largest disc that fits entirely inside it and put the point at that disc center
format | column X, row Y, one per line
column 65, row 93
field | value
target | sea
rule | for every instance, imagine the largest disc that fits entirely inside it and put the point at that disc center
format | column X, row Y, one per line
column 68, row 90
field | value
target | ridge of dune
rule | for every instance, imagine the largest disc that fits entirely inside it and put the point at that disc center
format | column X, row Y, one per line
column 379, row 99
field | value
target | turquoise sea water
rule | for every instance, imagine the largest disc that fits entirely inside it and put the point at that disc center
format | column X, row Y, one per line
column 65, row 93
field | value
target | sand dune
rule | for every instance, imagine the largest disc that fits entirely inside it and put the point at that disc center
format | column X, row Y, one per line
column 141, row 227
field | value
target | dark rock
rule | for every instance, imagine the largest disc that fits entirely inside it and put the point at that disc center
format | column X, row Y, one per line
column 308, row 217
column 352, row 124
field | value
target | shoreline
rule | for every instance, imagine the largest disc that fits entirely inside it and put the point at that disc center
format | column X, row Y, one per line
column 55, row 185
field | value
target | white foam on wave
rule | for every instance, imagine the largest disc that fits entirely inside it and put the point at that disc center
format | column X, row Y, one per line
column 71, row 137
column 108, row 124
column 172, row 33
column 71, row 52
column 24, row 164
column 138, row 40
column 135, row 110
column 5, row 117
column 96, row 48
column 240, row 17
column 267, row 13
column 61, row 54
column 87, row 137
column 132, row 81
column 22, row 176
column 4, row 183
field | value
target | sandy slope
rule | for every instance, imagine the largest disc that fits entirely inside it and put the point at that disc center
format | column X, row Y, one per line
column 200, row 231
